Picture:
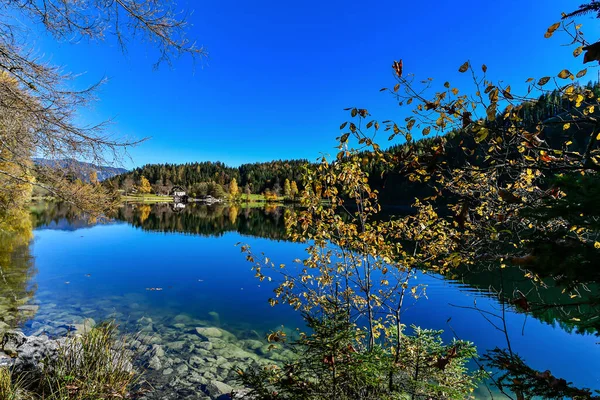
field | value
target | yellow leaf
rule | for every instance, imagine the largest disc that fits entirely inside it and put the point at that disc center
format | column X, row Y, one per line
column 426, row 131
column 543, row 80
column 552, row 28
column 598, row 137
column 464, row 67
column 582, row 73
column 481, row 135
column 597, row 245
column 577, row 51
column 455, row 91
column 566, row 126
column 564, row 74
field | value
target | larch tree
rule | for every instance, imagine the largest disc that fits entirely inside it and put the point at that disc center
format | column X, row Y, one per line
column 144, row 187
column 294, row 190
column 287, row 189
column 234, row 190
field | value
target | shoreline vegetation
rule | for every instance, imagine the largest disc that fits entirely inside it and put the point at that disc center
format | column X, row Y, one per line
column 500, row 178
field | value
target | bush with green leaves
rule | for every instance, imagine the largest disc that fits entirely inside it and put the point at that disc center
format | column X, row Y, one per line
column 334, row 362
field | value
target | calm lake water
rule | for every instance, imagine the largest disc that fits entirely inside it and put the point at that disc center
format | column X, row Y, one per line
column 76, row 268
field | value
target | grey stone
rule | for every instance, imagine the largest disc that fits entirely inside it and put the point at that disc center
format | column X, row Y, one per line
column 157, row 350
column 218, row 343
column 182, row 369
column 252, row 344
column 209, row 332
column 177, row 345
column 6, row 360
column 216, row 389
column 155, row 363
column 205, row 345
column 168, row 371
column 11, row 341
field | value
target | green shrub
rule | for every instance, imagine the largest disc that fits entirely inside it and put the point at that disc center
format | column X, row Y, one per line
column 334, row 362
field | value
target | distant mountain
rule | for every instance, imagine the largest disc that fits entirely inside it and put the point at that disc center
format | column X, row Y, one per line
column 81, row 169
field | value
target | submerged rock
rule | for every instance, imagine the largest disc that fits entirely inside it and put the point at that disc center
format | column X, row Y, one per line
column 215, row 318
column 155, row 363
column 206, row 333
column 219, row 390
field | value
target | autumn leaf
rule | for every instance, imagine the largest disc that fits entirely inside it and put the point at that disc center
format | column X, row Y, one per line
column 551, row 30
column 543, row 80
column 397, row 65
column 581, row 73
column 481, row 135
column 464, row 67
column 564, row 74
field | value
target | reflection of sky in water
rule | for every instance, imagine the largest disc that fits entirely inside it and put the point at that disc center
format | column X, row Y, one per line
column 199, row 275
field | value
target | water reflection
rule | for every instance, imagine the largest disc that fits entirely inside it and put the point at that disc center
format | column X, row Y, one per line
column 557, row 300
column 206, row 220
column 16, row 270
column 101, row 269
column 195, row 218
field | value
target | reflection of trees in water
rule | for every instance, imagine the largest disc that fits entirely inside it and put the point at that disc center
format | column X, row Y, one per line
column 16, row 268
column 58, row 215
column 206, row 220
column 573, row 305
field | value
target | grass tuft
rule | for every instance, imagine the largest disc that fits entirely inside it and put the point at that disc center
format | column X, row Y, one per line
column 95, row 365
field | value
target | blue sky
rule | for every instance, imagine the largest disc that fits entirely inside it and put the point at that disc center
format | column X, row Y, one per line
column 279, row 74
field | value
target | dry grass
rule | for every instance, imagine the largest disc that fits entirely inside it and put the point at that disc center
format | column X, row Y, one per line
column 95, row 365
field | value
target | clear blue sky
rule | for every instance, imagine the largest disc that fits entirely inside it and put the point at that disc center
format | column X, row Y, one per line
column 279, row 74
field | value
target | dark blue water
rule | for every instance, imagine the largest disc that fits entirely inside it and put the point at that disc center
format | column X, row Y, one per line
column 105, row 270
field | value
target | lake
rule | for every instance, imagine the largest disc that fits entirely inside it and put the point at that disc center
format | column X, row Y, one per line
column 165, row 272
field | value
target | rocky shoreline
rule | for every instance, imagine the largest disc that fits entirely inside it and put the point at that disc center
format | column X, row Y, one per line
column 188, row 359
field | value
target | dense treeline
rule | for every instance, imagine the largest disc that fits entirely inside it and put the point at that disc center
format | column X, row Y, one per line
column 460, row 147
column 214, row 178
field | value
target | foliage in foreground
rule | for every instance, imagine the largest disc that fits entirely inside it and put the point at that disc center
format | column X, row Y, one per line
column 91, row 366
column 334, row 362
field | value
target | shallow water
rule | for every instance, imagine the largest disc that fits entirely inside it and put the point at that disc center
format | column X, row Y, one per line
column 170, row 266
